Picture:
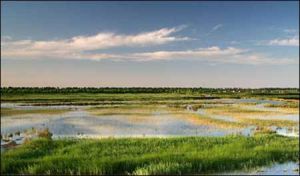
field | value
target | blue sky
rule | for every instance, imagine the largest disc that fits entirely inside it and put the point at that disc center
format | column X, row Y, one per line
column 188, row 44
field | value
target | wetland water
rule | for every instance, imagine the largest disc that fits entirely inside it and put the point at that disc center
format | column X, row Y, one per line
column 288, row 168
column 79, row 122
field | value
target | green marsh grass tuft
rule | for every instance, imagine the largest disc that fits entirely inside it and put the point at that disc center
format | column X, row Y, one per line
column 149, row 155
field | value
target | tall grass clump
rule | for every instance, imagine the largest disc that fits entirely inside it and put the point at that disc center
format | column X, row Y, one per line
column 148, row 155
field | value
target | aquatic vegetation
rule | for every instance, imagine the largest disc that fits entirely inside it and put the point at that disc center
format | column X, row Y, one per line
column 263, row 130
column 234, row 109
column 243, row 119
column 238, row 111
column 208, row 120
column 136, row 110
column 11, row 112
column 124, row 110
column 18, row 133
column 249, row 103
column 45, row 133
column 149, row 155
column 268, row 123
column 287, row 104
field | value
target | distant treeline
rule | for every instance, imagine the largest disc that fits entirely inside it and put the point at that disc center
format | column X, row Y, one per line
column 42, row 90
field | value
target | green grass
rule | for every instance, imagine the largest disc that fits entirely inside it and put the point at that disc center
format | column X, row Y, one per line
column 149, row 155
column 11, row 112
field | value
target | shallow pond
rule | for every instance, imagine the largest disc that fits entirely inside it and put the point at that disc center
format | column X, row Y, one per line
column 289, row 168
column 219, row 117
column 78, row 122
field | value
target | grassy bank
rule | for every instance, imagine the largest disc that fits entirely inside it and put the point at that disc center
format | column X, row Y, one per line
column 149, row 155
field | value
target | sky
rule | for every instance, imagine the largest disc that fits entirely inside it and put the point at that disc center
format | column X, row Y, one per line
column 150, row 44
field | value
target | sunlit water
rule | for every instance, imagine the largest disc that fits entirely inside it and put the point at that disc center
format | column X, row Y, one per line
column 219, row 117
column 78, row 122
column 289, row 168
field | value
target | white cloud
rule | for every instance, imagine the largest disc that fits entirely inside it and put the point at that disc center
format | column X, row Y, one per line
column 234, row 42
column 210, row 55
column 216, row 27
column 291, row 31
column 211, row 52
column 214, row 55
column 293, row 41
column 93, row 48
column 78, row 45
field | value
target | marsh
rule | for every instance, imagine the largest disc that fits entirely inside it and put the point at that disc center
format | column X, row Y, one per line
column 149, row 117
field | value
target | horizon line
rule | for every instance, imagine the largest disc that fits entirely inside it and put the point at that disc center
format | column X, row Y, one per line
column 108, row 87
